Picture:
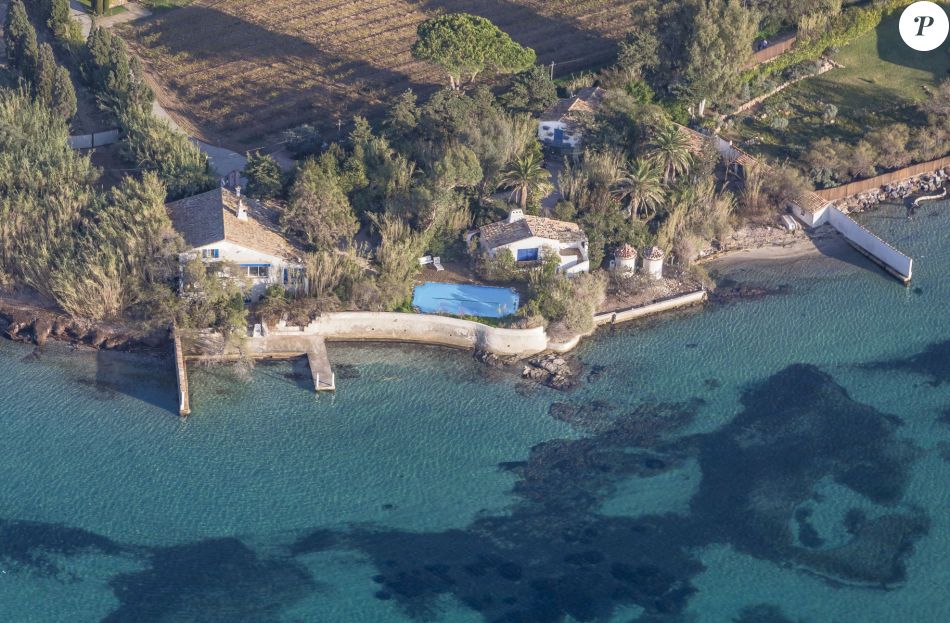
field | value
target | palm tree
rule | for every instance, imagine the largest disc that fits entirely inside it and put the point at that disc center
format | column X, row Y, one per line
column 524, row 174
column 641, row 187
column 670, row 151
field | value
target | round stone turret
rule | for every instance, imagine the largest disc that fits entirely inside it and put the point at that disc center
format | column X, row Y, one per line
column 625, row 259
column 653, row 262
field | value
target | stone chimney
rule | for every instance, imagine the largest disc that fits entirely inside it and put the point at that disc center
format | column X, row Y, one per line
column 241, row 210
column 515, row 215
column 237, row 190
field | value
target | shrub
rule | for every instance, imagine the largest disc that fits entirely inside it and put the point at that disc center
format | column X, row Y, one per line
column 501, row 267
column 265, row 179
column 302, row 141
column 778, row 123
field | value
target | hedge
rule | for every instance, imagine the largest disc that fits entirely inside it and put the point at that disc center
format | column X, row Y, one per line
column 844, row 29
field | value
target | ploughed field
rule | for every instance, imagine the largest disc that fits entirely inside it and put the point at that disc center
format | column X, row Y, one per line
column 240, row 71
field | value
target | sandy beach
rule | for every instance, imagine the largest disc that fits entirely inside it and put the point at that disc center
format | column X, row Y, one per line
column 823, row 241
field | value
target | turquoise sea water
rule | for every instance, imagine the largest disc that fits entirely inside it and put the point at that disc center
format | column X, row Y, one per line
column 775, row 459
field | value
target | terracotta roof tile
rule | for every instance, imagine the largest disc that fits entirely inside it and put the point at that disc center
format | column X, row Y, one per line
column 626, row 252
column 212, row 217
column 502, row 232
column 586, row 101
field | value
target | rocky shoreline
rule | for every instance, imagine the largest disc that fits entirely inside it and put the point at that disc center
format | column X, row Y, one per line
column 928, row 183
column 551, row 369
column 35, row 325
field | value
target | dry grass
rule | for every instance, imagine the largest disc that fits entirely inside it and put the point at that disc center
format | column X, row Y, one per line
column 243, row 70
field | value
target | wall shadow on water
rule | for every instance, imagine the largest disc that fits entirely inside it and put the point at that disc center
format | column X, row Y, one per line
column 554, row 555
column 150, row 379
column 836, row 247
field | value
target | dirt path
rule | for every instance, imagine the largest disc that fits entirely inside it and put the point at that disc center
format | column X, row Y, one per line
column 132, row 12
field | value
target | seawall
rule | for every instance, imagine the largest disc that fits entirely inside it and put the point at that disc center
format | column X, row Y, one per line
column 459, row 333
column 866, row 242
column 422, row 329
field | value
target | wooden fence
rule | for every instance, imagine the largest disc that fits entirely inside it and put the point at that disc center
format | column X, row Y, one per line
column 856, row 188
column 772, row 52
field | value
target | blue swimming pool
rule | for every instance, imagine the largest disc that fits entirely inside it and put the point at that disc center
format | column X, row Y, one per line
column 465, row 300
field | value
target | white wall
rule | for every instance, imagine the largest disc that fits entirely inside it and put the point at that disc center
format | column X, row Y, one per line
column 898, row 264
column 230, row 252
column 812, row 219
column 567, row 263
column 423, row 328
column 547, row 136
column 685, row 300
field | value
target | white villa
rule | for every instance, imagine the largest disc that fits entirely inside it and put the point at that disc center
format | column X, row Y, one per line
column 526, row 236
column 558, row 126
column 222, row 226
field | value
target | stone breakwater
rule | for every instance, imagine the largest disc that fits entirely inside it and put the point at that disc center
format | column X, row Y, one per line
column 928, row 183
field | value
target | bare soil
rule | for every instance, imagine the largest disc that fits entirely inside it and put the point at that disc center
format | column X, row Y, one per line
column 244, row 70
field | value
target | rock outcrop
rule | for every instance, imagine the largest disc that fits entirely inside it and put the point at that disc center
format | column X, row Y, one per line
column 35, row 325
column 929, row 183
column 552, row 370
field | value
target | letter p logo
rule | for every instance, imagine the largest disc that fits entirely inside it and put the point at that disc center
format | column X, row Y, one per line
column 924, row 21
column 924, row 26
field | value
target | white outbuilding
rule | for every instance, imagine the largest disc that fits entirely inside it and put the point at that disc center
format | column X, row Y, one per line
column 653, row 262
column 529, row 238
column 625, row 259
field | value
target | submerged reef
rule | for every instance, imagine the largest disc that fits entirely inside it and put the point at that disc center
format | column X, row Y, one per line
column 554, row 554
column 933, row 363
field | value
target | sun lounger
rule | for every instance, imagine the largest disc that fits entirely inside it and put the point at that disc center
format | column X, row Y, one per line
column 437, row 262
column 425, row 260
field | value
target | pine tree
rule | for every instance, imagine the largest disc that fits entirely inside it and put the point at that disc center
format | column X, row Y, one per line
column 264, row 177
column 20, row 37
column 64, row 95
column 59, row 18
column 45, row 77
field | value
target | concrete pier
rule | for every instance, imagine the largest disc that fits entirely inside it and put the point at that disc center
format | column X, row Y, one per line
column 323, row 378
column 181, row 373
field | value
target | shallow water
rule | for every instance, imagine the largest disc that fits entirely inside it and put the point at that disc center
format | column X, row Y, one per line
column 776, row 459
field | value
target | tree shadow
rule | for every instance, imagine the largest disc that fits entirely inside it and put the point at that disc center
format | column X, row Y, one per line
column 891, row 48
column 240, row 82
column 563, row 40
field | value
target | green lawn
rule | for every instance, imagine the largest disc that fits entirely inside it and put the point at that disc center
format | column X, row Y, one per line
column 161, row 5
column 881, row 80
